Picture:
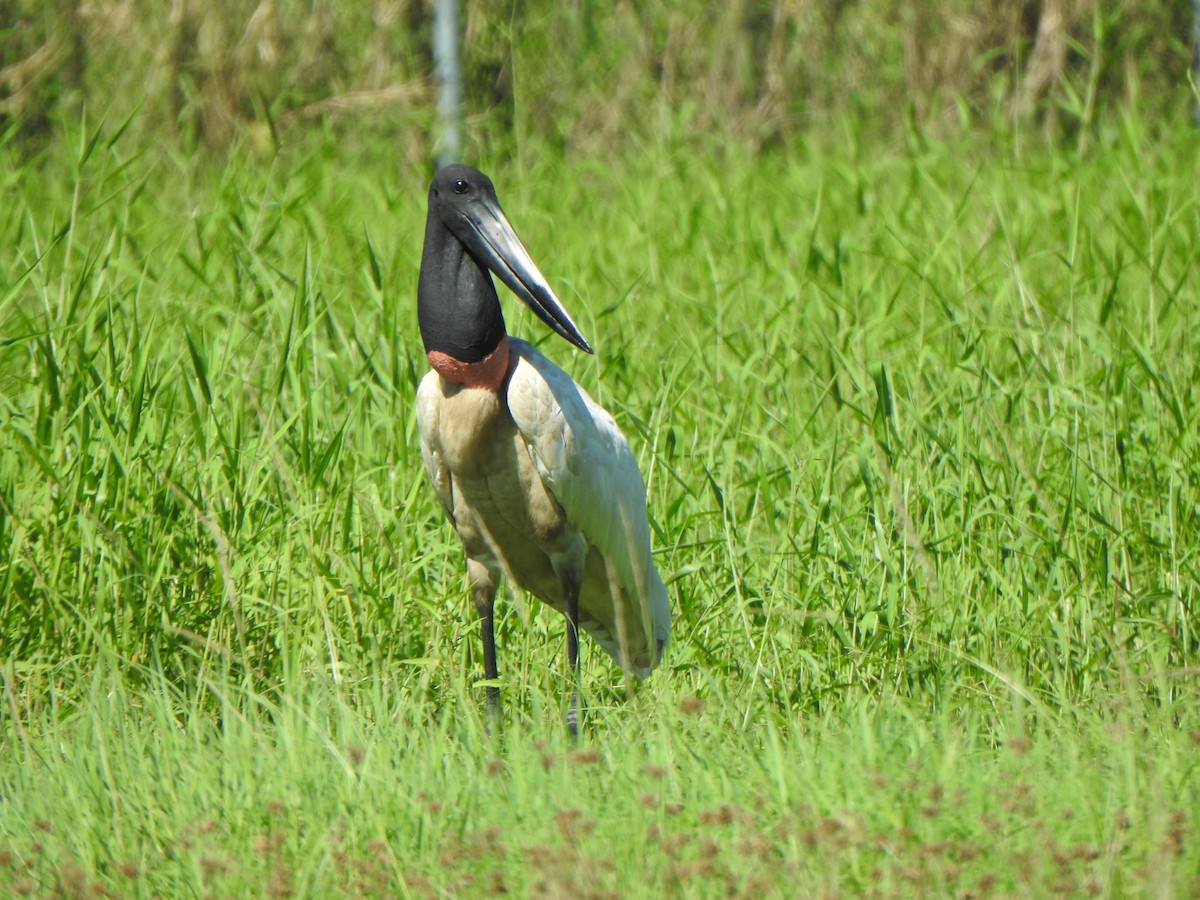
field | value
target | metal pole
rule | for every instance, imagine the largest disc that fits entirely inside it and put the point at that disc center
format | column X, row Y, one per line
column 446, row 69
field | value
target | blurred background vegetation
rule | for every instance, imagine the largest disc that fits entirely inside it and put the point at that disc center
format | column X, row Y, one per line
column 591, row 76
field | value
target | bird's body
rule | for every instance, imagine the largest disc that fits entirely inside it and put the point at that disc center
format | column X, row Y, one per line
column 503, row 463
column 537, row 479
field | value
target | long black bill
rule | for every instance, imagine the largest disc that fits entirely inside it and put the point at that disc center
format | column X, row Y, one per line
column 493, row 239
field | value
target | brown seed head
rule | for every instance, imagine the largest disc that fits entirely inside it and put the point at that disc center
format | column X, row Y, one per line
column 213, row 865
column 72, row 879
column 691, row 705
column 722, row 815
column 1019, row 745
column 128, row 869
column 496, row 883
column 281, row 882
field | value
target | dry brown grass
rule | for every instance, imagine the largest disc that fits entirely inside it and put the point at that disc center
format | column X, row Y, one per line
column 589, row 76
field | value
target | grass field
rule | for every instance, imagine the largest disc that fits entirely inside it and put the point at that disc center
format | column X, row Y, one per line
column 924, row 487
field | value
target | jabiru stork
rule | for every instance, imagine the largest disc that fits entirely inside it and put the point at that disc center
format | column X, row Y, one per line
column 536, row 478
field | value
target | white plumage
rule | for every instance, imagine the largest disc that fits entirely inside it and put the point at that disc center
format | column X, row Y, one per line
column 540, row 485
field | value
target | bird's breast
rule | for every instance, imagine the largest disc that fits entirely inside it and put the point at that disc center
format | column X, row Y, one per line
column 471, row 427
column 500, row 502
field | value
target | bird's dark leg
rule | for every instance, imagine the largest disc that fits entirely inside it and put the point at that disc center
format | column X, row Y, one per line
column 483, row 592
column 571, row 608
column 485, row 605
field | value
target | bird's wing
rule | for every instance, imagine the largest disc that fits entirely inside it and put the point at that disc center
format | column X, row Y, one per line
column 428, row 393
column 585, row 462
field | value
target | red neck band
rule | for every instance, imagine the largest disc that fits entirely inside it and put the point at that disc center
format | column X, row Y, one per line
column 487, row 374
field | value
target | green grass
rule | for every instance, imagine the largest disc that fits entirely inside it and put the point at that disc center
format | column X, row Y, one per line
column 924, row 488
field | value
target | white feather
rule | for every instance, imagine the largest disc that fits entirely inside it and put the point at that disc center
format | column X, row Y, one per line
column 585, row 462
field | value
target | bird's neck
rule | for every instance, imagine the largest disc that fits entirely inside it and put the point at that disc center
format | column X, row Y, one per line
column 487, row 374
column 462, row 326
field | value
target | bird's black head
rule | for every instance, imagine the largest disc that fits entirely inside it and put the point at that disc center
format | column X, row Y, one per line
column 463, row 207
column 455, row 186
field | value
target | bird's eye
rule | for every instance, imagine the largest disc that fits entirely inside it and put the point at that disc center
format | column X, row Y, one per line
column 461, row 187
